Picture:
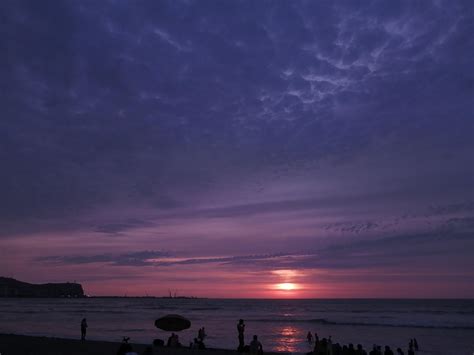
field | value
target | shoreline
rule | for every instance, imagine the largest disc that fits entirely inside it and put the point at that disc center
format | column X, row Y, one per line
column 17, row 344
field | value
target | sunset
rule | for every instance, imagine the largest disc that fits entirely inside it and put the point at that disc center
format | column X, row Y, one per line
column 266, row 160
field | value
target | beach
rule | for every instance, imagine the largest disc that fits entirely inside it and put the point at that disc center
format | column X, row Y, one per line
column 11, row 344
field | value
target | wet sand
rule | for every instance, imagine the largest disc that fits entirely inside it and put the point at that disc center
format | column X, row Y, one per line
column 28, row 345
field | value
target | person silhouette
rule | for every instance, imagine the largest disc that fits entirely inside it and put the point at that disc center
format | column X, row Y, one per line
column 83, row 329
column 255, row 346
column 309, row 336
column 241, row 330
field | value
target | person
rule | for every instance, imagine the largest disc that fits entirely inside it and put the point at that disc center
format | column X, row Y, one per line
column 202, row 334
column 387, row 351
column 241, row 330
column 415, row 344
column 351, row 349
column 324, row 348
column 400, row 352
column 360, row 350
column 255, row 346
column 337, row 349
column 173, row 341
column 309, row 337
column 317, row 344
column 330, row 346
column 125, row 347
column 83, row 329
column 374, row 350
column 410, row 349
column 197, row 344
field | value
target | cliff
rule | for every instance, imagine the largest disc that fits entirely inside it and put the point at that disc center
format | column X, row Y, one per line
column 13, row 288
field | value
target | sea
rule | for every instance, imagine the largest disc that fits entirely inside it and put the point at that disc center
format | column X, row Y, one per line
column 441, row 327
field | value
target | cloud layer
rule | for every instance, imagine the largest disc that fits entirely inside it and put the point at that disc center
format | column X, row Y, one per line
column 272, row 135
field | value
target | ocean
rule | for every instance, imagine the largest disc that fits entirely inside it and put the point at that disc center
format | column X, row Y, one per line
column 441, row 327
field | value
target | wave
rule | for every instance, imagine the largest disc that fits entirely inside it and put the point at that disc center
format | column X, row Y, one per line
column 362, row 324
column 361, row 311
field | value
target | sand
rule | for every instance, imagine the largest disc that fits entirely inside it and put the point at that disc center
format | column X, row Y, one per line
column 28, row 345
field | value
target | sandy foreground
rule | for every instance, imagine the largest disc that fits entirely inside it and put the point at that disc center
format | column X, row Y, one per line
column 28, row 345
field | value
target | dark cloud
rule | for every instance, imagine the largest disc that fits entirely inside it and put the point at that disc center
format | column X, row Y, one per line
column 130, row 223
column 139, row 258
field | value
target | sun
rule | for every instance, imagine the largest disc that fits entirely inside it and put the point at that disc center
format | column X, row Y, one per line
column 286, row 286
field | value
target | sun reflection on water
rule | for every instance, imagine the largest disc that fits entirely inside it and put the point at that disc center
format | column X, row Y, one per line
column 288, row 338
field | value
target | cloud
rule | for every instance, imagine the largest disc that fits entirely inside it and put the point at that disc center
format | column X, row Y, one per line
column 138, row 258
column 130, row 223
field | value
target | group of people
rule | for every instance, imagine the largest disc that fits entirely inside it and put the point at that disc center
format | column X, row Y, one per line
column 198, row 342
column 173, row 341
column 325, row 346
column 255, row 347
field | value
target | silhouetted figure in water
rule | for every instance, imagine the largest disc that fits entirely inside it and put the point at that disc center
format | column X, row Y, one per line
column 400, row 352
column 202, row 334
column 415, row 344
column 309, row 337
column 125, row 347
column 410, row 349
column 255, row 346
column 241, row 330
column 83, row 329
column 388, row 351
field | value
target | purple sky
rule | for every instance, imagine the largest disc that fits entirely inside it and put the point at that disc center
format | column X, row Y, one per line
column 225, row 148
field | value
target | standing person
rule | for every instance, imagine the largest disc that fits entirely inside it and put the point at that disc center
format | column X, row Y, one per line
column 202, row 334
column 317, row 345
column 415, row 344
column 83, row 329
column 241, row 330
column 309, row 337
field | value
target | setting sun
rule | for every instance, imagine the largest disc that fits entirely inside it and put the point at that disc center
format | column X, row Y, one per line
column 286, row 286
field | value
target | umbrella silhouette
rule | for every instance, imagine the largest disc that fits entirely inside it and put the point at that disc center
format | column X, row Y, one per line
column 172, row 323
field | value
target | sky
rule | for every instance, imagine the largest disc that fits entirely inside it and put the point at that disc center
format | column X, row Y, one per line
column 280, row 149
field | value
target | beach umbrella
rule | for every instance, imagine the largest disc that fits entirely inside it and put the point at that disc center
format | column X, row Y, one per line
column 172, row 323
